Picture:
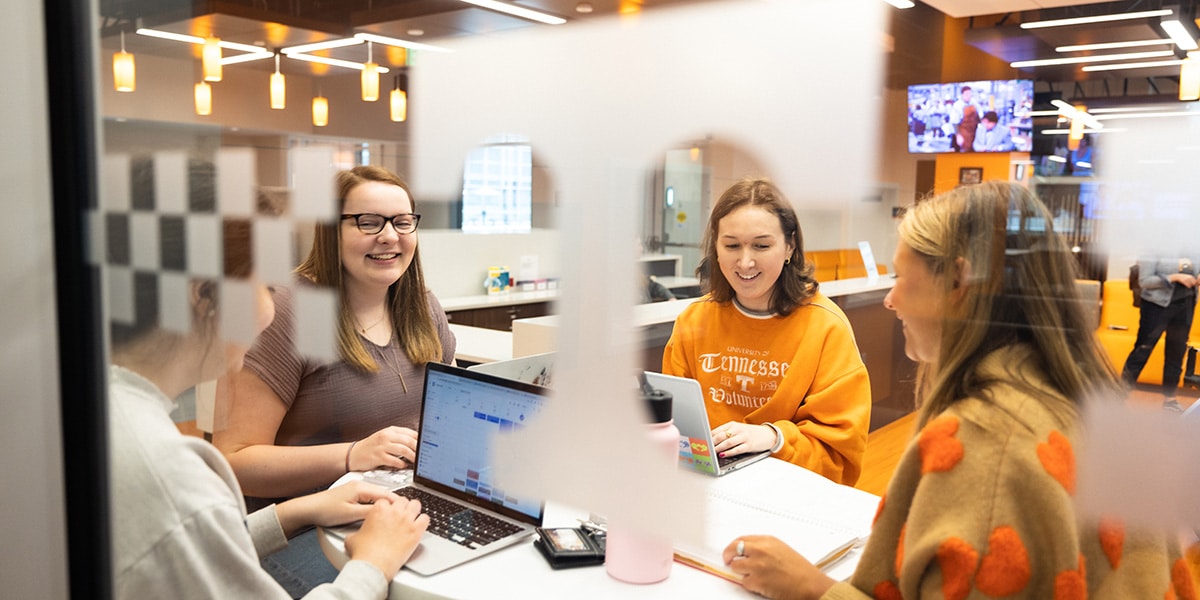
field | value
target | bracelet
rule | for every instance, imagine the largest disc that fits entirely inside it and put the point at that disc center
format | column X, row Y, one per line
column 348, row 451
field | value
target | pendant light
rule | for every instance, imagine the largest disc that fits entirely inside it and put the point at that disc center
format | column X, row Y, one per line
column 320, row 110
column 123, row 71
column 370, row 78
column 1189, row 77
column 211, row 59
column 278, row 91
column 203, row 98
column 399, row 98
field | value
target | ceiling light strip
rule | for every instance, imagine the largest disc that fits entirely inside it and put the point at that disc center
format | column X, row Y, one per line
column 167, row 35
column 338, row 43
column 1075, row 114
column 1151, row 115
column 1074, row 60
column 390, row 41
column 1113, row 45
column 336, row 62
column 517, row 11
column 241, row 58
column 1096, row 19
column 242, row 47
column 1179, row 34
column 1135, row 65
column 191, row 39
column 1129, row 109
column 1068, row 131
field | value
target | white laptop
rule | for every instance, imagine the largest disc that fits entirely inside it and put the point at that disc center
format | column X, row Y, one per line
column 461, row 413
column 695, row 432
column 537, row 368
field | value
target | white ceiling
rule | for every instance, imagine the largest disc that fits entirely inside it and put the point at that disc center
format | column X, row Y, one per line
column 973, row 8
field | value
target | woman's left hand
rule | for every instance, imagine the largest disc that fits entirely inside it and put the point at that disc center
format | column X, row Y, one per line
column 735, row 438
column 334, row 506
column 773, row 569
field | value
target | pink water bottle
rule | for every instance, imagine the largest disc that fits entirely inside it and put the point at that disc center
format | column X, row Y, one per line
column 635, row 556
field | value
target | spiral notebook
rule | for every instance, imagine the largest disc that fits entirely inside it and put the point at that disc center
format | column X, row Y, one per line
column 824, row 521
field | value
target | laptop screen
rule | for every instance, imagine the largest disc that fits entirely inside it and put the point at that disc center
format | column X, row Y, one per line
column 461, row 414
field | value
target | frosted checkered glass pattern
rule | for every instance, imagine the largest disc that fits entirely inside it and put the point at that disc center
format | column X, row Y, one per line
column 498, row 189
column 152, row 228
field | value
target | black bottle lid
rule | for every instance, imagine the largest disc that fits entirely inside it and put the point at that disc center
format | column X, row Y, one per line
column 659, row 404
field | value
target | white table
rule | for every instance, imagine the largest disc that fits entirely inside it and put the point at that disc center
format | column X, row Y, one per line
column 521, row 572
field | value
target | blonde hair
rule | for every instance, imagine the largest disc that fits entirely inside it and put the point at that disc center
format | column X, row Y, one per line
column 412, row 321
column 1021, row 290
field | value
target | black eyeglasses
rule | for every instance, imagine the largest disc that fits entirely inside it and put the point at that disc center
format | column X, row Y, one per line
column 371, row 224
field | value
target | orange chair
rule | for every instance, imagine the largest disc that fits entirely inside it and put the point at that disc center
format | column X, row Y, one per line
column 825, row 264
column 850, row 264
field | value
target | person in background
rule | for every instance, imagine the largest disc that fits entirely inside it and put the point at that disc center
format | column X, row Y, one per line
column 1168, row 292
column 964, row 118
column 981, row 503
column 296, row 424
column 776, row 358
column 990, row 137
column 179, row 523
column 1081, row 162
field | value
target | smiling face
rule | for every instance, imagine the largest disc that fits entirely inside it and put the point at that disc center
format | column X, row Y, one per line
column 379, row 260
column 751, row 250
column 918, row 300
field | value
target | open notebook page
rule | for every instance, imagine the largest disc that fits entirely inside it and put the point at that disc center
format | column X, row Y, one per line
column 820, row 519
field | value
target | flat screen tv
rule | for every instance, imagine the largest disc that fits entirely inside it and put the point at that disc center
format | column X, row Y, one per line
column 970, row 116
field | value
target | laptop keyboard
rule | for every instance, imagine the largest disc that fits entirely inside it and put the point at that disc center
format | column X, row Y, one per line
column 457, row 523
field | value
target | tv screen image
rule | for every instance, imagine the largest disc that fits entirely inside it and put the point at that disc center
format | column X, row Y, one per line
column 970, row 116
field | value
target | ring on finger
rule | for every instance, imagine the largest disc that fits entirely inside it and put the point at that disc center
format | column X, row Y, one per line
column 728, row 434
column 741, row 548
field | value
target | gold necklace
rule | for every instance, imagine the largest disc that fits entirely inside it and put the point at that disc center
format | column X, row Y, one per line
column 383, row 352
column 364, row 330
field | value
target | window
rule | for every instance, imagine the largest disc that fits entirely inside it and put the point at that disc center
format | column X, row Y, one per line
column 498, row 189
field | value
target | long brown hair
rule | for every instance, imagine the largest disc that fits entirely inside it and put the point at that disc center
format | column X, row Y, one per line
column 412, row 322
column 796, row 283
column 1021, row 290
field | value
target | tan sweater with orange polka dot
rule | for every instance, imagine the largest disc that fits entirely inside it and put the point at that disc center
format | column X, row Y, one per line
column 981, row 506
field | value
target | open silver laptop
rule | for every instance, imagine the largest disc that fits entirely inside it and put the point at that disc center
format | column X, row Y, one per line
column 461, row 413
column 695, row 432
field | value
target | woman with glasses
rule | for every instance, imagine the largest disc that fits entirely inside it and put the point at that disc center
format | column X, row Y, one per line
column 179, row 523
column 295, row 423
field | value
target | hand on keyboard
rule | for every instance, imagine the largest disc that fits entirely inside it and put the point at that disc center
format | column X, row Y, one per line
column 388, row 478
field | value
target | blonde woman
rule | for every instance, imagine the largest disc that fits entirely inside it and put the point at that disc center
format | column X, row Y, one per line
column 981, row 504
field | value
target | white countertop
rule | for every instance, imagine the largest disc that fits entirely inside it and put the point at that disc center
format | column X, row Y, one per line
column 666, row 312
column 677, row 282
column 479, row 345
column 831, row 289
column 493, row 300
